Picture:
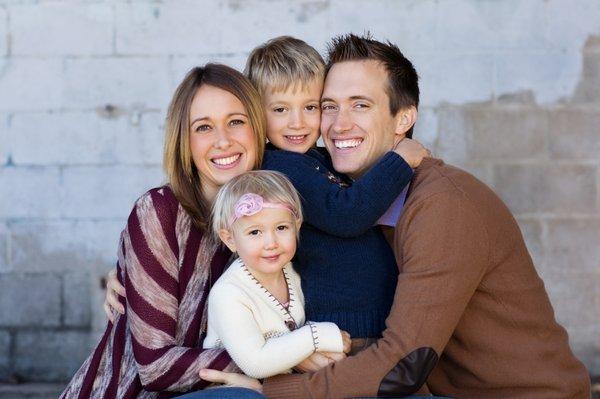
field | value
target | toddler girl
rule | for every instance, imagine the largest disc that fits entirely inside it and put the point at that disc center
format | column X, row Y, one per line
column 256, row 308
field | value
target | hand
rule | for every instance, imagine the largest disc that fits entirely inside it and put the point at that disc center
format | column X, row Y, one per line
column 231, row 379
column 347, row 340
column 412, row 151
column 113, row 290
column 314, row 362
column 335, row 356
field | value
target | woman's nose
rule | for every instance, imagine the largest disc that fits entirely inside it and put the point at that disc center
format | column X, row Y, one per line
column 223, row 139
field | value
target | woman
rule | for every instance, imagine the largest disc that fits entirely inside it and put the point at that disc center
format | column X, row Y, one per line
column 167, row 258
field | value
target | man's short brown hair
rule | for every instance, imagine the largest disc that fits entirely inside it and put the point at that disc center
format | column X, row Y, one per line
column 403, row 81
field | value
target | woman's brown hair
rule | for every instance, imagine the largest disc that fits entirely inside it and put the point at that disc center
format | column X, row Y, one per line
column 183, row 176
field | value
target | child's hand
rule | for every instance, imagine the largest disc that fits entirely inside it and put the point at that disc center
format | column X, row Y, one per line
column 411, row 151
column 334, row 356
column 347, row 340
column 314, row 362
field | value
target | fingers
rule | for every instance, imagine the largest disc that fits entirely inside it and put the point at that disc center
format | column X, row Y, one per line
column 347, row 341
column 335, row 356
column 215, row 376
column 320, row 360
column 108, row 312
column 113, row 301
column 112, row 283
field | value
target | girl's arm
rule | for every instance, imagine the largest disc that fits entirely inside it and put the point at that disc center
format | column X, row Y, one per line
column 148, row 267
column 231, row 315
column 343, row 211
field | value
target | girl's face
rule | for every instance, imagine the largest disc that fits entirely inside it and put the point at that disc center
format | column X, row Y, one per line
column 294, row 117
column 222, row 141
column 265, row 241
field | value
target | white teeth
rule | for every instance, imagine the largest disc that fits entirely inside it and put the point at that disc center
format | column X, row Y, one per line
column 226, row 161
column 296, row 138
column 347, row 143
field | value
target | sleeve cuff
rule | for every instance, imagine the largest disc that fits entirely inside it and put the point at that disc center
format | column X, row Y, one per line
column 327, row 337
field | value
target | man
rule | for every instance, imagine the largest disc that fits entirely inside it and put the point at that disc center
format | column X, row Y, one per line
column 470, row 314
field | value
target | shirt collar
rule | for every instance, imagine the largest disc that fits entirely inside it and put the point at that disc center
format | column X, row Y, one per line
column 391, row 216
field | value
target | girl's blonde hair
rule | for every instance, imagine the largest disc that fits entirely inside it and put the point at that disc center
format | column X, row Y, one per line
column 272, row 186
column 177, row 160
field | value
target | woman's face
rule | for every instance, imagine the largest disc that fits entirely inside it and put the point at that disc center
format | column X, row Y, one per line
column 221, row 138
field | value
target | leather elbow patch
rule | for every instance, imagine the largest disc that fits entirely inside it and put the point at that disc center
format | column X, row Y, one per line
column 409, row 374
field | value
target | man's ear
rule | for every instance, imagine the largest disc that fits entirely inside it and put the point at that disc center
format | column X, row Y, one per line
column 405, row 119
column 227, row 238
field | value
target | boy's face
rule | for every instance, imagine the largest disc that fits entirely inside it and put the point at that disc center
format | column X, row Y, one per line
column 294, row 116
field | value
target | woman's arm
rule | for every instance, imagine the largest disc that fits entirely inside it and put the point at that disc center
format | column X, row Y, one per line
column 347, row 211
column 231, row 315
column 149, row 260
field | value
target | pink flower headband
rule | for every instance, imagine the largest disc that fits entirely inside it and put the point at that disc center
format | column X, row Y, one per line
column 250, row 204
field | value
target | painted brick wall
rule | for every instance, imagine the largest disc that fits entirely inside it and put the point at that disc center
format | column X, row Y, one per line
column 510, row 91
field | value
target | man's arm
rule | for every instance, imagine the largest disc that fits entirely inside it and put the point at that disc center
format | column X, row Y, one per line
column 442, row 251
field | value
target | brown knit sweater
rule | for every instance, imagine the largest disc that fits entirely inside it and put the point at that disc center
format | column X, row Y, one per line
column 470, row 315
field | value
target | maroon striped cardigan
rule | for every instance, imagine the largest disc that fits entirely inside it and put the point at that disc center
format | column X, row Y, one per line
column 167, row 266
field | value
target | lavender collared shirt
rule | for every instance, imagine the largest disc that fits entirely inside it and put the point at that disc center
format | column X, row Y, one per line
column 391, row 216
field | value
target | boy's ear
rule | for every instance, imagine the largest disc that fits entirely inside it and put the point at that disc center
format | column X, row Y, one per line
column 405, row 119
column 227, row 238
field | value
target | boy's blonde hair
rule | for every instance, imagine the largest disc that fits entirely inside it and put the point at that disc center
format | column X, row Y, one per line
column 284, row 62
column 272, row 186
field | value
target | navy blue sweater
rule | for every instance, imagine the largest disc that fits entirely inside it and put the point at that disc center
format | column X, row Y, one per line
column 347, row 268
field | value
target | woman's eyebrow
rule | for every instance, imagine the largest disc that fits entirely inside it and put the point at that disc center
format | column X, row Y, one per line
column 228, row 116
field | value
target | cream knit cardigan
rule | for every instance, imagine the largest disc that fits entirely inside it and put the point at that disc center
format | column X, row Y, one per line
column 253, row 325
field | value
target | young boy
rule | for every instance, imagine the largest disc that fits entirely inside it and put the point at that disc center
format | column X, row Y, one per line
column 347, row 268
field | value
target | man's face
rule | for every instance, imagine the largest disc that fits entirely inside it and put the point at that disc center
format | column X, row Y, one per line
column 356, row 124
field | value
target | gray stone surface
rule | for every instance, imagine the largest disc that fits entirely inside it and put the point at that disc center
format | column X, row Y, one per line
column 5, row 341
column 590, row 77
column 30, row 300
column 29, row 192
column 541, row 188
column 46, row 93
column 40, row 29
column 532, row 233
column 50, row 355
column 31, row 391
column 573, row 133
column 6, row 146
column 123, row 136
column 3, row 32
column 89, row 191
column 574, row 246
column 76, row 296
column 63, row 245
column 86, row 84
column 4, row 243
